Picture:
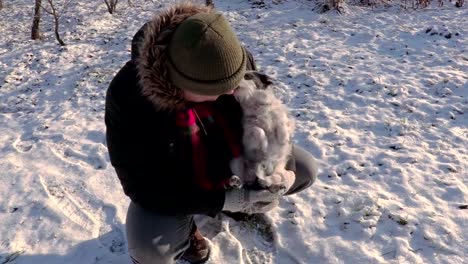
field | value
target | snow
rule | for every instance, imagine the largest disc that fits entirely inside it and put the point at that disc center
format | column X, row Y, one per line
column 380, row 98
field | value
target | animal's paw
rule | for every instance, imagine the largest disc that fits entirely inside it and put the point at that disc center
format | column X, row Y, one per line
column 279, row 181
column 235, row 182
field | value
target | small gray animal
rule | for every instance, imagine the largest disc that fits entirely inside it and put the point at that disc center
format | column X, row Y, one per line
column 268, row 130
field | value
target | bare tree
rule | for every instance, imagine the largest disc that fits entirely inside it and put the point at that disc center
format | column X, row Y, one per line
column 111, row 5
column 56, row 14
column 35, row 31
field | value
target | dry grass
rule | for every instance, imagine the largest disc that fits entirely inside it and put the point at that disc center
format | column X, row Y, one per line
column 459, row 3
column 338, row 5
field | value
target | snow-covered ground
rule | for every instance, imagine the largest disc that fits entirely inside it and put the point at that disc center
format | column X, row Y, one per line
column 380, row 98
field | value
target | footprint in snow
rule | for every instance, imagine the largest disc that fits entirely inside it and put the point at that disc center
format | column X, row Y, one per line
column 75, row 211
column 24, row 144
column 96, row 161
column 249, row 237
column 358, row 207
column 96, row 136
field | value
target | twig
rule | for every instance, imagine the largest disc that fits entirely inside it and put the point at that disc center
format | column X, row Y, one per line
column 65, row 7
column 46, row 10
column 10, row 258
column 393, row 251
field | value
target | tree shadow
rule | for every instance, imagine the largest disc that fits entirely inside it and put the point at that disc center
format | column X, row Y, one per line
column 89, row 251
column 109, row 247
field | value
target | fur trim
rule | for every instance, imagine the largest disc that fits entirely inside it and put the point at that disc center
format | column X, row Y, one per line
column 151, row 63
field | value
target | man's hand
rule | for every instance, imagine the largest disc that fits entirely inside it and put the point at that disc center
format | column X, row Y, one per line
column 250, row 201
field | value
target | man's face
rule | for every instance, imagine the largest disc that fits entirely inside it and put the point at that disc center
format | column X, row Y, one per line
column 193, row 97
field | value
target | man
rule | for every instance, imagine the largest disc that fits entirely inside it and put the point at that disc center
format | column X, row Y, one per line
column 172, row 128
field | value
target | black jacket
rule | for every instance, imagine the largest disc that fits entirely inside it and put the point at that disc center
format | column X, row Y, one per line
column 146, row 155
column 143, row 148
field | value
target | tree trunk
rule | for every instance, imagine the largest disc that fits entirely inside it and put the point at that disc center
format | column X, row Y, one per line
column 1, row 4
column 35, row 31
column 57, row 35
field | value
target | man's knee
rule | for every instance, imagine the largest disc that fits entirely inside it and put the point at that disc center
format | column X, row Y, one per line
column 310, row 173
column 313, row 171
column 306, row 170
column 154, row 238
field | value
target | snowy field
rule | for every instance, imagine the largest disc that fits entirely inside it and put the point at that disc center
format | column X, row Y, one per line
column 380, row 98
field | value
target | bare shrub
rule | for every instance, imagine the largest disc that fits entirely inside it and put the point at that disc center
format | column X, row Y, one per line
column 422, row 3
column 111, row 5
column 333, row 4
column 57, row 14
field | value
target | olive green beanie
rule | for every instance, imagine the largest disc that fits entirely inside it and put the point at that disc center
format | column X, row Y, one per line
column 205, row 56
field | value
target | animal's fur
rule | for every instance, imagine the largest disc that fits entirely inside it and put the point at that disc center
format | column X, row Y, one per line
column 267, row 134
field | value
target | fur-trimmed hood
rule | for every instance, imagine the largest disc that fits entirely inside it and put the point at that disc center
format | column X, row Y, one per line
column 149, row 49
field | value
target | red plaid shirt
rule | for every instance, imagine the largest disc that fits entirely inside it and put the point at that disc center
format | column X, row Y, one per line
column 196, row 122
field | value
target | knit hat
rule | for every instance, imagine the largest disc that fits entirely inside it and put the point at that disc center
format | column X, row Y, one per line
column 205, row 56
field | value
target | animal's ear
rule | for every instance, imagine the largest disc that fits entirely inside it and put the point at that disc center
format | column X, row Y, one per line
column 244, row 91
column 262, row 81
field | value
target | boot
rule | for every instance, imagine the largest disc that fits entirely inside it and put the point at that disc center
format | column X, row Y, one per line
column 199, row 250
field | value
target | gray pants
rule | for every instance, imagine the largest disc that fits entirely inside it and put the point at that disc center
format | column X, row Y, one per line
column 161, row 239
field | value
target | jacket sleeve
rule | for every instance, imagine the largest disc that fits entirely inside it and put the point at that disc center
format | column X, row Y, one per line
column 251, row 65
column 143, row 165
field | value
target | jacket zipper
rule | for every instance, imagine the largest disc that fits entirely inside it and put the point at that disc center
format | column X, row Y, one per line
column 200, row 121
